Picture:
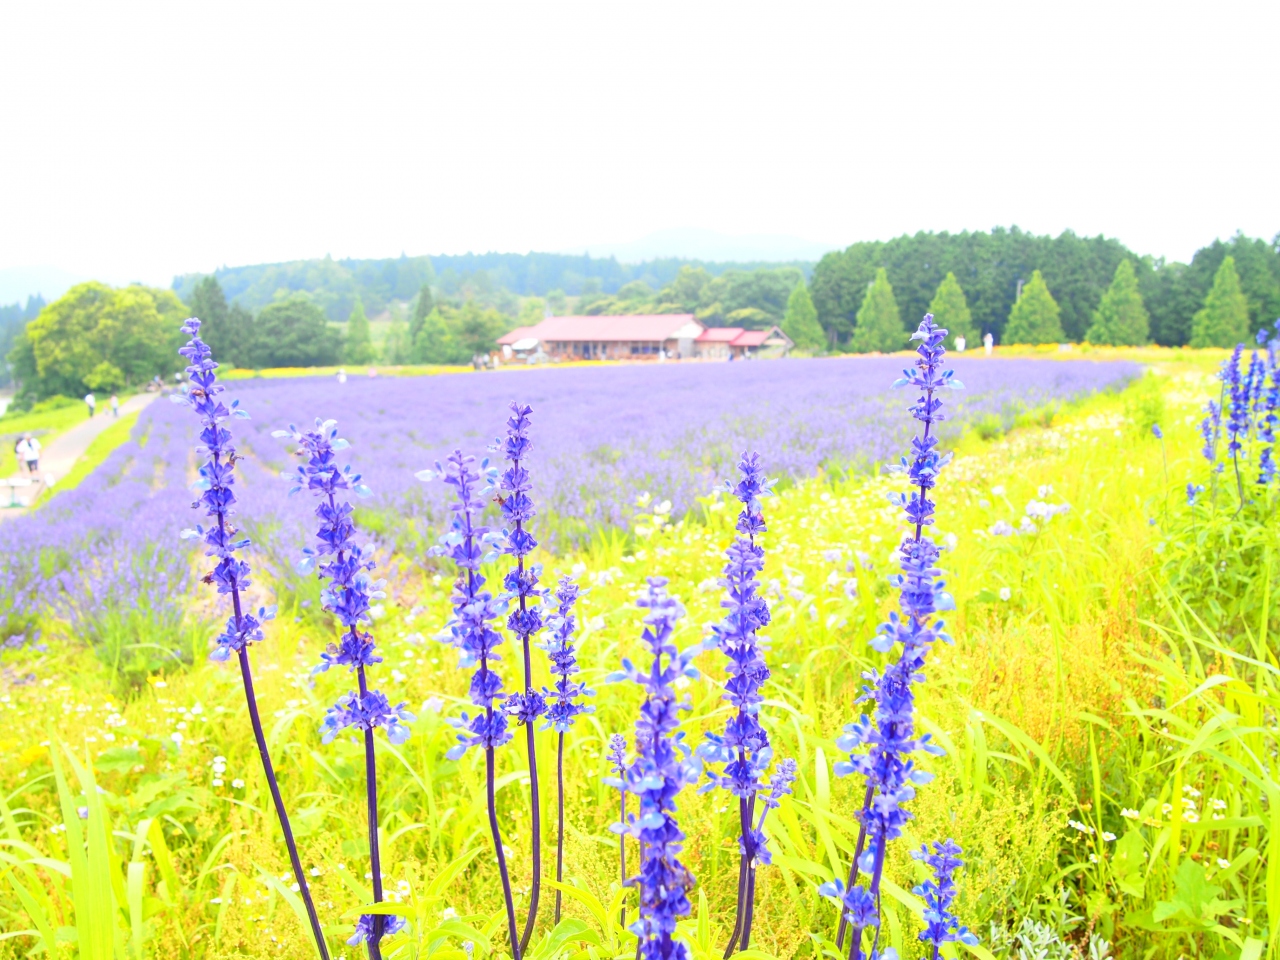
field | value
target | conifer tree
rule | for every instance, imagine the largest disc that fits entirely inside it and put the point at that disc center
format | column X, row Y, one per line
column 950, row 311
column 421, row 310
column 1036, row 317
column 1121, row 319
column 879, row 326
column 226, row 329
column 359, row 341
column 1224, row 320
column 435, row 342
column 800, row 322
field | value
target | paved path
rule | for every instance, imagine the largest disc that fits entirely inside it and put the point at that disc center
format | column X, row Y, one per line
column 60, row 454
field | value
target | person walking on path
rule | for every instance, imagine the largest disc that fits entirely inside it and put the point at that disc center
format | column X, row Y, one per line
column 91, row 402
column 115, row 406
column 30, row 452
column 20, row 453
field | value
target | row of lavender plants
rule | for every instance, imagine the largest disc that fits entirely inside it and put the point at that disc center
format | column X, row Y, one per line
column 605, row 436
column 738, row 759
column 608, row 434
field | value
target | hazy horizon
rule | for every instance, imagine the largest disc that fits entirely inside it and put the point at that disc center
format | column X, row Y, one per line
column 157, row 141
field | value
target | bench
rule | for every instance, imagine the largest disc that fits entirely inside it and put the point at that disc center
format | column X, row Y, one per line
column 13, row 483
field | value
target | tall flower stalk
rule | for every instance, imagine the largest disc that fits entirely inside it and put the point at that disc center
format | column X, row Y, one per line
column 1238, row 421
column 743, row 749
column 230, row 574
column 564, row 701
column 618, row 764
column 524, row 621
column 890, row 738
column 469, row 544
column 661, row 769
column 348, row 596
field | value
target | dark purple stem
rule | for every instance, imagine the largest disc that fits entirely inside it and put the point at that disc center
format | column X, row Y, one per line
column 622, row 853
column 853, row 867
column 375, row 857
column 497, row 846
column 246, row 675
column 559, row 819
column 535, row 804
column 749, row 907
column 374, row 942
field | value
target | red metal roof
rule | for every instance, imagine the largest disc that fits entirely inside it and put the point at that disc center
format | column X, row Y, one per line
column 720, row 334
column 605, row 329
column 750, row 338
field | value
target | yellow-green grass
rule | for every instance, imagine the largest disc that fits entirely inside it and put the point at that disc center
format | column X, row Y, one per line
column 1064, row 701
column 353, row 370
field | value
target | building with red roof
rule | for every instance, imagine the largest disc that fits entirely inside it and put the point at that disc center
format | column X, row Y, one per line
column 608, row 338
column 639, row 337
column 727, row 343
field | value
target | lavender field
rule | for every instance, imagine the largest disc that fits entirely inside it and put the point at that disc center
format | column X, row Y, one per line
column 605, row 435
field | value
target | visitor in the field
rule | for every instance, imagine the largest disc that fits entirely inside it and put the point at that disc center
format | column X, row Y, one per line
column 91, row 402
column 115, row 406
column 30, row 453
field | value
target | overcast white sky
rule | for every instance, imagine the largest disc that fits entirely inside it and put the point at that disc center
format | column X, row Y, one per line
column 142, row 140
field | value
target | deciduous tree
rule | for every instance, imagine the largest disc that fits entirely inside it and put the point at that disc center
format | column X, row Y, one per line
column 294, row 333
column 130, row 330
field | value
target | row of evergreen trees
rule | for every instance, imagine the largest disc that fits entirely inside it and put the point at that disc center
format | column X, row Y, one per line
column 1121, row 318
column 994, row 268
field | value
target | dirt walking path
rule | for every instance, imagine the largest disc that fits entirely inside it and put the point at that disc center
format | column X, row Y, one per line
column 60, row 455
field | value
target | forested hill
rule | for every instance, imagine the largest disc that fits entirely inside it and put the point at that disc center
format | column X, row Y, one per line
column 1077, row 270
column 334, row 284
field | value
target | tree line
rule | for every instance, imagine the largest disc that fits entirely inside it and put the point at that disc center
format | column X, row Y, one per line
column 498, row 279
column 996, row 271
column 1018, row 287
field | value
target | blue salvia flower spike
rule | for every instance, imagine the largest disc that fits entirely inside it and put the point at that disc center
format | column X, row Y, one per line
column 661, row 769
column 889, row 737
column 941, row 925
column 617, row 758
column 524, row 620
column 743, row 748
column 564, row 701
column 348, row 595
column 469, row 545
column 1267, row 415
column 231, row 574
column 1237, row 388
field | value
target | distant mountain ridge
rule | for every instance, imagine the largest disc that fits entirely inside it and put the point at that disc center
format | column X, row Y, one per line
column 335, row 284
